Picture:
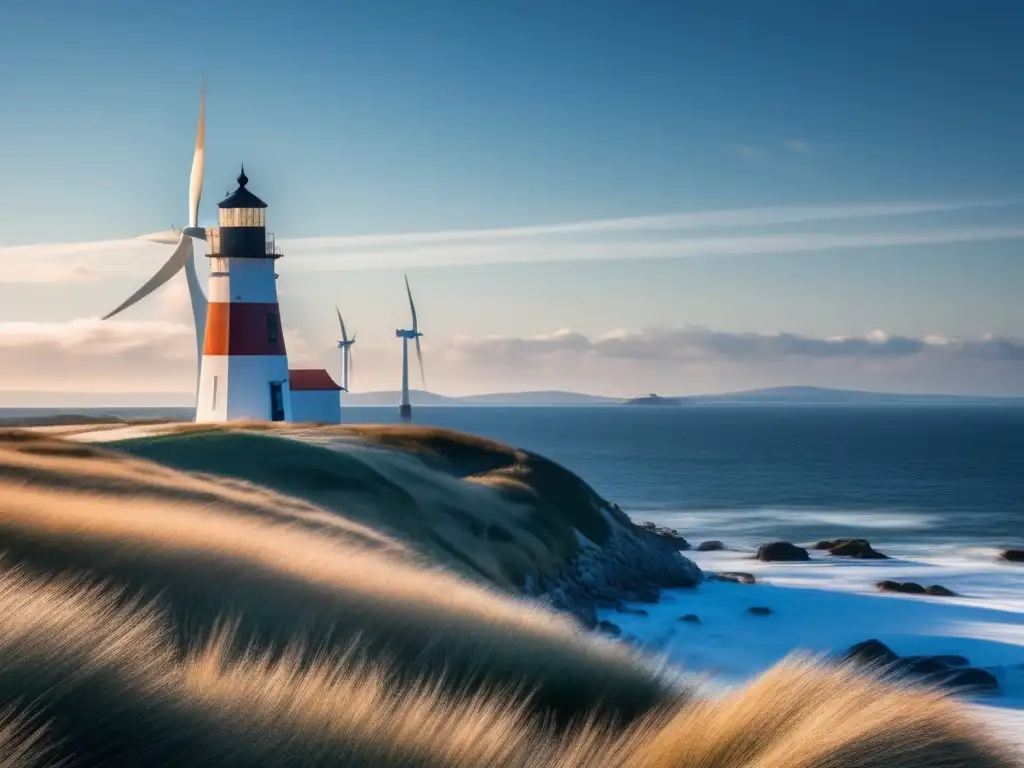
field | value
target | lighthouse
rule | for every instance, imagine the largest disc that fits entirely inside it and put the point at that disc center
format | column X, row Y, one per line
column 244, row 368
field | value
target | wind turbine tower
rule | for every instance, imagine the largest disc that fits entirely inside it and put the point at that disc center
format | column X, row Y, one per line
column 405, row 407
column 345, row 345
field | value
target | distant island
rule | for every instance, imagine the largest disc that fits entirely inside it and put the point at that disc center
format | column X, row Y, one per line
column 806, row 396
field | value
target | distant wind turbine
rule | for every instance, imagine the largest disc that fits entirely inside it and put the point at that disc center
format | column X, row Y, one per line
column 405, row 407
column 345, row 345
column 182, row 256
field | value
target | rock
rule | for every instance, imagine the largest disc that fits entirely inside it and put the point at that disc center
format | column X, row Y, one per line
column 671, row 536
column 905, row 588
column 646, row 594
column 939, row 591
column 1012, row 555
column 736, row 577
column 609, row 628
column 633, row 611
column 690, row 618
column 973, row 679
column 782, row 552
column 871, row 652
column 648, row 525
column 858, row 548
column 759, row 610
column 710, row 546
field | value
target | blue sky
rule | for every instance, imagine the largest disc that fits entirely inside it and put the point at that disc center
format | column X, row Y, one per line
column 362, row 119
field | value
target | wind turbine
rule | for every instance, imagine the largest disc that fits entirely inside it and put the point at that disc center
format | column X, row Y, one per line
column 405, row 407
column 182, row 256
column 345, row 345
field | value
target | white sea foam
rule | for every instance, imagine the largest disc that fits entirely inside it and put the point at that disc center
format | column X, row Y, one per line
column 831, row 603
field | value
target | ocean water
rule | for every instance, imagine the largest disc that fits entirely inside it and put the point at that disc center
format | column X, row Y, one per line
column 935, row 476
column 930, row 476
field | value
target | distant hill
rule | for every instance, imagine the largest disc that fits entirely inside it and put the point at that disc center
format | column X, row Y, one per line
column 418, row 397
column 819, row 396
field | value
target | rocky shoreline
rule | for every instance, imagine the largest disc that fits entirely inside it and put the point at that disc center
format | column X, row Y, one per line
column 634, row 565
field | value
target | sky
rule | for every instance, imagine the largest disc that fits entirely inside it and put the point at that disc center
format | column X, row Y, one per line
column 608, row 197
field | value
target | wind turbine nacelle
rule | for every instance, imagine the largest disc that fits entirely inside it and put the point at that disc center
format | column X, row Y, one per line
column 196, row 233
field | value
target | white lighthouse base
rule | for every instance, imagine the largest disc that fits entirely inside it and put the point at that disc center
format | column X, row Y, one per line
column 233, row 387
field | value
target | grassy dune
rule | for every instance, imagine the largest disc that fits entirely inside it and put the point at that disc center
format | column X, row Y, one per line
column 488, row 511
column 154, row 617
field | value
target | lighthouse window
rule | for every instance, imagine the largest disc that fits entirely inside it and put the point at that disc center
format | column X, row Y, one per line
column 272, row 327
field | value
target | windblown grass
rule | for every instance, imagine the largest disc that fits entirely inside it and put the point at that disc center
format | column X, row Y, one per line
column 150, row 617
column 455, row 498
column 113, row 689
column 290, row 570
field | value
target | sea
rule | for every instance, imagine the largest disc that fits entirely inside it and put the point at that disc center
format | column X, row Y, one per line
column 931, row 475
column 949, row 475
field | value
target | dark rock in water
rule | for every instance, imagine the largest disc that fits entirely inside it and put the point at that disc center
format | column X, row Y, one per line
column 1012, row 555
column 939, row 591
column 759, row 610
column 736, row 576
column 858, row 548
column 871, row 652
column 905, row 588
column 633, row 611
column 609, row 628
column 710, row 546
column 690, row 618
column 972, row 679
column 782, row 552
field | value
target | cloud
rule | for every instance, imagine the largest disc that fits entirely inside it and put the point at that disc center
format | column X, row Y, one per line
column 696, row 345
column 107, row 356
column 159, row 356
column 642, row 237
column 799, row 146
column 750, row 152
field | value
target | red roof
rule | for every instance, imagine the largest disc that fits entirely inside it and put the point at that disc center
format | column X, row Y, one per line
column 311, row 379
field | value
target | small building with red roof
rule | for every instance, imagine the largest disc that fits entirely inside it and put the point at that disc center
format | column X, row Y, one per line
column 315, row 396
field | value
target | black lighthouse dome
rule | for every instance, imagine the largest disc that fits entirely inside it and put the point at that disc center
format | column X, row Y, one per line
column 241, row 197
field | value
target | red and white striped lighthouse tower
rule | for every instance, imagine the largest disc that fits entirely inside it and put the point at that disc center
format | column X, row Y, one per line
column 244, row 370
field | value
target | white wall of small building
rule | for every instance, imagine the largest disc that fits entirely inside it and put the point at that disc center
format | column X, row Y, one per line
column 316, row 405
column 235, row 387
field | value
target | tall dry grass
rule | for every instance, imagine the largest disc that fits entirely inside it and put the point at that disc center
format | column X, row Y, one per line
column 153, row 618
column 98, row 681
column 285, row 572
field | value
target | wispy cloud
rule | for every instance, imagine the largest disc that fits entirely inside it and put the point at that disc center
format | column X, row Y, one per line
column 799, row 146
column 704, row 233
column 750, row 152
column 695, row 344
column 115, row 355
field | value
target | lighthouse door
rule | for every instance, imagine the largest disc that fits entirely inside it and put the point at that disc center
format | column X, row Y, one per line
column 276, row 401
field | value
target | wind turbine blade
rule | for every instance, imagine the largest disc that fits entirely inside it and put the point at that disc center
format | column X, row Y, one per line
column 198, row 299
column 344, row 336
column 195, row 185
column 167, row 237
column 182, row 253
column 419, row 356
column 412, row 306
column 350, row 366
